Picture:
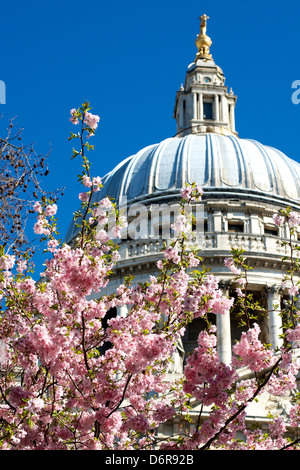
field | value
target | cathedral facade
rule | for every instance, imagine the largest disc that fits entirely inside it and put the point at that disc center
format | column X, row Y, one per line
column 244, row 184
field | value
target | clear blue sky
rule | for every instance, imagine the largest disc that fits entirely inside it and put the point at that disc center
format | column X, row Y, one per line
column 128, row 59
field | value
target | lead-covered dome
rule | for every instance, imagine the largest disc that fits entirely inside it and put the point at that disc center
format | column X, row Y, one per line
column 216, row 162
column 226, row 166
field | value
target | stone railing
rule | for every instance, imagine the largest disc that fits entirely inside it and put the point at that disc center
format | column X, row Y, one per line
column 213, row 242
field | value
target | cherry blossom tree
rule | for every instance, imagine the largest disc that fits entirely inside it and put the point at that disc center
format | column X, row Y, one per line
column 60, row 388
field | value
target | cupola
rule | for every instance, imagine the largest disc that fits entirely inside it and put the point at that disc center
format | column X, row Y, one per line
column 204, row 103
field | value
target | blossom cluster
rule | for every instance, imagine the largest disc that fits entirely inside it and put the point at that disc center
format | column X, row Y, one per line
column 250, row 352
column 291, row 217
column 191, row 193
column 91, row 120
column 230, row 264
column 42, row 227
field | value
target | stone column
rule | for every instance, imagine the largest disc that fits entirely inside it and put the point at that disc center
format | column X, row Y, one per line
column 122, row 310
column 232, row 117
column 200, row 113
column 194, row 106
column 254, row 224
column 224, row 113
column 224, row 330
column 218, row 219
column 275, row 321
column 216, row 105
column 181, row 117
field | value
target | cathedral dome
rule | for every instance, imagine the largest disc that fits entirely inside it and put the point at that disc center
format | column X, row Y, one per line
column 225, row 166
column 219, row 163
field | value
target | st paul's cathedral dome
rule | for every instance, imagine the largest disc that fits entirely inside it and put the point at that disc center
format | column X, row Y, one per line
column 219, row 163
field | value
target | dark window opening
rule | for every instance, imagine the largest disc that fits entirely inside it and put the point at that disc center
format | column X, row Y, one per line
column 271, row 231
column 203, row 226
column 207, row 110
column 235, row 227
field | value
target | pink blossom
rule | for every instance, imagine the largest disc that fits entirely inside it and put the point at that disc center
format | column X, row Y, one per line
column 97, row 183
column 245, row 390
column 28, row 286
column 84, row 197
column 295, row 415
column 190, row 193
column 229, row 263
column 241, row 281
column 99, row 212
column 163, row 412
column 293, row 219
column 106, row 203
column 18, row 395
column 181, row 224
column 172, row 254
column 102, row 235
column 206, row 378
column 220, row 304
column 40, row 227
column 293, row 334
column 50, row 210
column 293, row 290
column 86, row 181
column 91, row 120
column 278, row 219
column 21, row 265
column 186, row 192
column 250, row 352
column 37, row 207
column 285, row 380
column 193, row 261
column 239, row 292
column 35, row 404
column 73, row 118
column 159, row 264
column 7, row 262
column 52, row 245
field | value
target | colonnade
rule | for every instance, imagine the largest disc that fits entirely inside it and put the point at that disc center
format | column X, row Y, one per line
column 224, row 340
column 222, row 111
column 224, row 337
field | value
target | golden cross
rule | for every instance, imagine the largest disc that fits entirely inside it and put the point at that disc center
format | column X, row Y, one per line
column 203, row 19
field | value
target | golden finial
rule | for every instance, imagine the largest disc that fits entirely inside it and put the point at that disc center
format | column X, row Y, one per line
column 203, row 42
column 203, row 19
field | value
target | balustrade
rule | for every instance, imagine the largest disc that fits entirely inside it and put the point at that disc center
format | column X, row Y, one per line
column 210, row 241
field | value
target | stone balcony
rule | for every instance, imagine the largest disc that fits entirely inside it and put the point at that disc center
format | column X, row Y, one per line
column 210, row 244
